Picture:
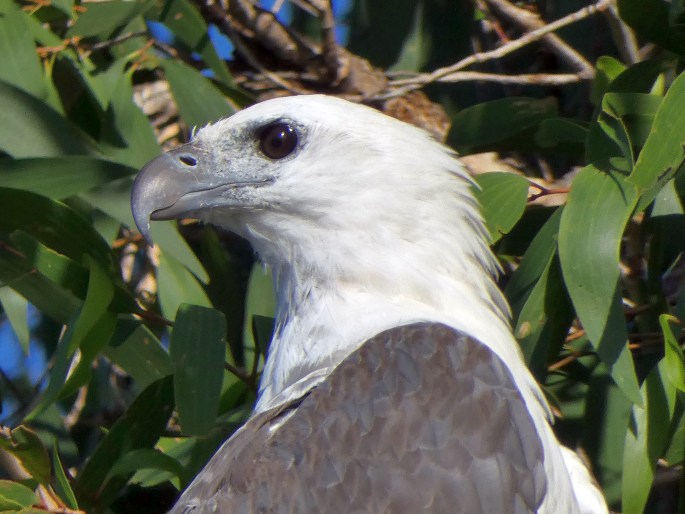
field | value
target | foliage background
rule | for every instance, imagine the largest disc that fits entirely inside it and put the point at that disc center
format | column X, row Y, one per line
column 578, row 107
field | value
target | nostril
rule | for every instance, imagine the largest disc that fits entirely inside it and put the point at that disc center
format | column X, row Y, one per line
column 188, row 160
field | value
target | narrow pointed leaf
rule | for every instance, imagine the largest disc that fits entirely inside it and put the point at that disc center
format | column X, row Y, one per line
column 62, row 485
column 16, row 310
column 140, row 427
column 62, row 177
column 198, row 100
column 197, row 351
column 590, row 232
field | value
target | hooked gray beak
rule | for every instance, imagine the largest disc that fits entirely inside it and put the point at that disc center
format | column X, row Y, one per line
column 182, row 183
column 163, row 183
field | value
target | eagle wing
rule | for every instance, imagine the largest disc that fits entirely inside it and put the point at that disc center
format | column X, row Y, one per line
column 420, row 418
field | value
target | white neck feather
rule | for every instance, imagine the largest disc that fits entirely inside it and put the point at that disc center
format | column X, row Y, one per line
column 338, row 285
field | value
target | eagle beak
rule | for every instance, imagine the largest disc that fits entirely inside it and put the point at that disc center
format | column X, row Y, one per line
column 161, row 184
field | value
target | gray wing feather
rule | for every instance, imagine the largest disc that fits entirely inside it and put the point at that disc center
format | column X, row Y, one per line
column 421, row 418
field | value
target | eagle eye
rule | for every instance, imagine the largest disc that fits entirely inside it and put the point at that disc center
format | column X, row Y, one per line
column 277, row 140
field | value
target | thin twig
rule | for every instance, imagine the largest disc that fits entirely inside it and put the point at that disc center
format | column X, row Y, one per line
column 530, row 21
column 249, row 380
column 544, row 79
column 444, row 74
column 214, row 13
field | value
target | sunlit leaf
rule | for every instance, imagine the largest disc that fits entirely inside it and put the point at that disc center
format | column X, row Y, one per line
column 198, row 100
column 595, row 217
column 502, row 197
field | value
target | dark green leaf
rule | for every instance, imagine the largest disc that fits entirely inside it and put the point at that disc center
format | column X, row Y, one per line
column 59, row 178
column 485, row 124
column 544, row 320
column 140, row 427
column 563, row 134
column 645, row 441
column 533, row 264
column 146, row 458
column 53, row 224
column 595, row 217
column 650, row 19
column 138, row 352
column 502, row 197
column 198, row 349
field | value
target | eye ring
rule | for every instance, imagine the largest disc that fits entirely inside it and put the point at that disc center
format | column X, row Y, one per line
column 277, row 140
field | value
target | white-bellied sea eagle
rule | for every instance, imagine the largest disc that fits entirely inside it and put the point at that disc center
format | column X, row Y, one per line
column 393, row 383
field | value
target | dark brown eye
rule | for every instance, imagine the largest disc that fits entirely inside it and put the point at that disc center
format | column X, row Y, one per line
column 277, row 140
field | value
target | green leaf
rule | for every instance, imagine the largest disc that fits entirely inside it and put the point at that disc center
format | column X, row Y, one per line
column 189, row 27
column 595, row 217
column 90, row 331
column 484, row 125
column 49, row 298
column 260, row 301
column 99, row 295
column 140, row 427
column 663, row 152
column 21, row 66
column 62, row 177
column 650, row 19
column 416, row 49
column 53, row 224
column 25, row 445
column 608, row 69
column 103, row 18
column 502, row 197
column 62, row 485
column 533, row 264
column 197, row 348
column 176, row 286
column 674, row 360
column 146, row 458
column 137, row 351
column 544, row 320
column 198, row 101
column 14, row 496
column 127, row 133
column 31, row 128
column 636, row 112
column 16, row 310
column 645, row 441
column 563, row 134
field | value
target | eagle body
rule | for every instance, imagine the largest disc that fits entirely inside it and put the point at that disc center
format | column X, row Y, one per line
column 393, row 382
